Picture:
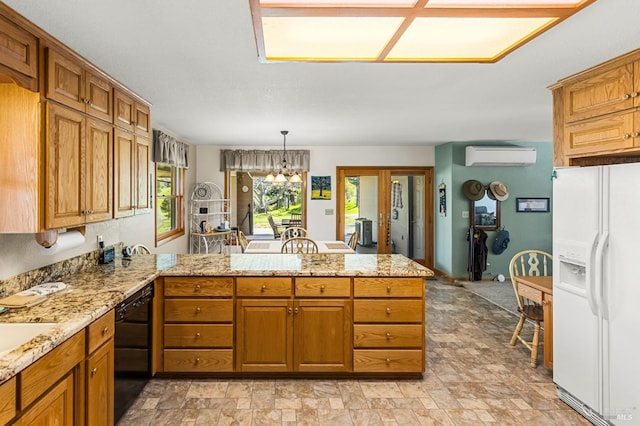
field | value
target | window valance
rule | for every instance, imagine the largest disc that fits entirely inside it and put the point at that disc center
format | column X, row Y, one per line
column 169, row 150
column 264, row 161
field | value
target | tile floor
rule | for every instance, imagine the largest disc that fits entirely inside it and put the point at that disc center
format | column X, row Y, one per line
column 473, row 377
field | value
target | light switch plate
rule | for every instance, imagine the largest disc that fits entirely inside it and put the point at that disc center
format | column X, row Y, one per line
column 328, row 212
column 465, row 214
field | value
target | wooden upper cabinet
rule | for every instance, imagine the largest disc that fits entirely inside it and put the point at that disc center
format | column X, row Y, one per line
column 18, row 55
column 142, row 178
column 73, row 85
column 98, row 171
column 603, row 93
column 132, row 115
column 124, row 173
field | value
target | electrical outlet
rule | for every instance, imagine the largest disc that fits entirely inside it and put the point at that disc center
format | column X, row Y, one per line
column 100, row 238
column 465, row 214
column 328, row 212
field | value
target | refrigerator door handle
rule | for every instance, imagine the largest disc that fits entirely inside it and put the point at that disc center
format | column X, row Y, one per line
column 599, row 272
column 591, row 275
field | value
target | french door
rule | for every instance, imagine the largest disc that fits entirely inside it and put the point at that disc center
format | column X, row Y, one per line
column 391, row 208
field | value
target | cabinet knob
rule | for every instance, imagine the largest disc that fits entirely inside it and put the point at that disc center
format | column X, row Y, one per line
column 388, row 335
column 295, row 311
column 197, row 335
column 634, row 94
column 263, row 288
column 322, row 288
column 388, row 289
column 197, row 288
column 94, row 371
column 388, row 311
column 85, row 100
column 626, row 136
column 636, row 134
column 105, row 331
column 626, row 96
column 198, row 310
column 197, row 360
column 290, row 310
column 388, row 361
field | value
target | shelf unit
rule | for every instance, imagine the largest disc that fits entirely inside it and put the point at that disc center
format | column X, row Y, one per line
column 209, row 210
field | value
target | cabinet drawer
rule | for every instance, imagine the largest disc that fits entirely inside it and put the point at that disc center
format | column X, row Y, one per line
column 7, row 400
column 388, row 336
column 390, row 310
column 387, row 361
column 42, row 374
column 388, row 287
column 198, row 335
column 323, row 287
column 100, row 331
column 198, row 310
column 18, row 50
column 530, row 293
column 198, row 286
column 205, row 360
column 263, row 287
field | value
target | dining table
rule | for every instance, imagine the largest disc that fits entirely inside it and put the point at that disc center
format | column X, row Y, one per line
column 539, row 288
column 274, row 246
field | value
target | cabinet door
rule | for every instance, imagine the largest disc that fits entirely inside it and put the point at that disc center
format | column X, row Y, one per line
column 19, row 54
column 64, row 80
column 322, row 335
column 599, row 94
column 602, row 135
column 7, row 400
column 123, row 111
column 98, row 171
column 98, row 97
column 65, row 167
column 123, row 173
column 142, row 179
column 100, row 390
column 264, row 335
column 142, row 116
column 54, row 408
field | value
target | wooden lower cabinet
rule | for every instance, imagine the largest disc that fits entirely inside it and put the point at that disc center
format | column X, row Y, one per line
column 7, row 400
column 55, row 407
column 99, row 371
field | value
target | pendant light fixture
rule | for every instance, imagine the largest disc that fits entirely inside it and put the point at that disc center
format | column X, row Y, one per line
column 284, row 175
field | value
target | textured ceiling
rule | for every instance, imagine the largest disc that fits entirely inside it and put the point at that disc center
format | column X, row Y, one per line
column 196, row 62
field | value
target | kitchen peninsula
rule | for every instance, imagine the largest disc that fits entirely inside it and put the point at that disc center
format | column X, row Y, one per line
column 239, row 315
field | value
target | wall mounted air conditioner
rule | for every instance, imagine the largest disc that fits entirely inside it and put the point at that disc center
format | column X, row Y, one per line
column 500, row 156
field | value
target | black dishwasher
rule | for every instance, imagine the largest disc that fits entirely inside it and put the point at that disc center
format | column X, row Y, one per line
column 132, row 340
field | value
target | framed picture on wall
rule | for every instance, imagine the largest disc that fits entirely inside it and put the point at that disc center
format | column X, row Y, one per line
column 320, row 187
column 532, row 205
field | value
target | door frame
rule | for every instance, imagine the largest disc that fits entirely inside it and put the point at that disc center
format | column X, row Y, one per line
column 384, row 174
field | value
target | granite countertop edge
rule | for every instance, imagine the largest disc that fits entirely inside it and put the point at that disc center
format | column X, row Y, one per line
column 99, row 289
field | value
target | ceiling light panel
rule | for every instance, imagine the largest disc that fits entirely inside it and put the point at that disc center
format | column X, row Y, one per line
column 447, row 39
column 323, row 39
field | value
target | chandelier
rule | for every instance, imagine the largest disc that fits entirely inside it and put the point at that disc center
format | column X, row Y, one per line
column 284, row 174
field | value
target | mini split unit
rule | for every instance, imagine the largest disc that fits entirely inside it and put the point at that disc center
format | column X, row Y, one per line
column 500, row 156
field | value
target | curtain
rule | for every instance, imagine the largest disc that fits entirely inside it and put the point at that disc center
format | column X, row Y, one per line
column 250, row 160
column 169, row 150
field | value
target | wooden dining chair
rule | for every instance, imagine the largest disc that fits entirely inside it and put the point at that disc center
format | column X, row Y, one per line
column 353, row 240
column 299, row 245
column 292, row 232
column 526, row 263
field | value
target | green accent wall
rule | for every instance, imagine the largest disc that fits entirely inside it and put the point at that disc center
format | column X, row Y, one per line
column 527, row 230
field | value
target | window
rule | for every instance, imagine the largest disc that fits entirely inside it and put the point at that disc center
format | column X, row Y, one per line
column 169, row 203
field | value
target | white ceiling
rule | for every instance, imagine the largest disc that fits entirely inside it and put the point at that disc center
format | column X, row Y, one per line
column 196, row 62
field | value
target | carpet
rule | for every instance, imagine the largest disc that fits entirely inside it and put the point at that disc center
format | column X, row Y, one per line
column 496, row 292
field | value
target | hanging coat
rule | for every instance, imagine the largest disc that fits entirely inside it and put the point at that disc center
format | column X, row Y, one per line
column 477, row 259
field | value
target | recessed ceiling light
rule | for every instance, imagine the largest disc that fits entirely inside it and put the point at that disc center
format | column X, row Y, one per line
column 402, row 30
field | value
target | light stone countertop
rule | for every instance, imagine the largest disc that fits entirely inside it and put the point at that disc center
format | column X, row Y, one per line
column 96, row 290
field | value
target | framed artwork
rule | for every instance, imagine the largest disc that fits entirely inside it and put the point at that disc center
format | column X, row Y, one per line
column 532, row 205
column 320, row 187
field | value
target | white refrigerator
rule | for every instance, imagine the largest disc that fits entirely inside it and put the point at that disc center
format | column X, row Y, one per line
column 596, row 291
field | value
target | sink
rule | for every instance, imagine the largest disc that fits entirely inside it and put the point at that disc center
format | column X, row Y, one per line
column 17, row 334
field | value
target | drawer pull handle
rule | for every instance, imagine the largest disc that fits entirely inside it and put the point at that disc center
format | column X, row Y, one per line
column 634, row 94
column 197, row 360
column 388, row 361
column 636, row 134
column 263, row 288
column 197, row 288
column 388, row 289
column 105, row 331
column 388, row 335
column 626, row 136
column 94, row 371
column 322, row 288
column 626, row 96
column 197, row 335
column 290, row 310
column 295, row 311
column 388, row 311
column 198, row 310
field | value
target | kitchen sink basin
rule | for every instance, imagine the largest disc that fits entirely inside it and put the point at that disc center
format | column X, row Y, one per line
column 17, row 334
